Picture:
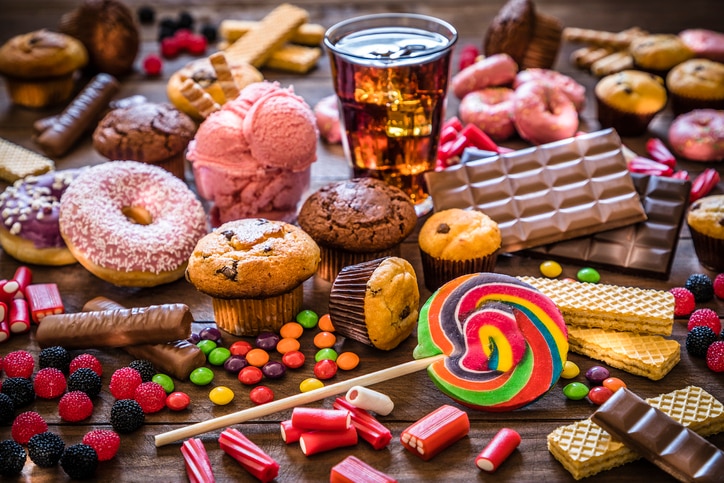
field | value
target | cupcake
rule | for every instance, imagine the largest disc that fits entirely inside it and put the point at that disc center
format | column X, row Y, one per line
column 457, row 242
column 531, row 38
column 40, row 67
column 706, row 224
column 148, row 132
column 375, row 302
column 696, row 84
column 628, row 100
column 254, row 270
column 355, row 221
column 658, row 53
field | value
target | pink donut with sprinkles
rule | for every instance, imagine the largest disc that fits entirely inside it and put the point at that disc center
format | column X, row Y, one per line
column 131, row 224
column 491, row 110
column 698, row 135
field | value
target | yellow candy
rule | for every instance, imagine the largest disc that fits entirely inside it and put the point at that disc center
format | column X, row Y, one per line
column 570, row 370
column 221, row 395
column 550, row 269
column 310, row 384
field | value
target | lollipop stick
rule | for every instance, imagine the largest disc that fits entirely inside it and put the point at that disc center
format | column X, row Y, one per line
column 292, row 401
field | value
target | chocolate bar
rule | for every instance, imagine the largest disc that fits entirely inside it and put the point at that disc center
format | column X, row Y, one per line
column 660, row 439
column 646, row 248
column 545, row 194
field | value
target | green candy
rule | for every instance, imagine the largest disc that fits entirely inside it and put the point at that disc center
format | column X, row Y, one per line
column 201, row 376
column 206, row 346
column 575, row 391
column 323, row 354
column 307, row 319
column 218, row 356
column 165, row 382
column 589, row 275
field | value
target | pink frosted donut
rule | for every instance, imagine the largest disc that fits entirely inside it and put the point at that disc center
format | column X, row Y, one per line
column 575, row 91
column 490, row 109
column 543, row 114
column 326, row 113
column 496, row 70
column 698, row 135
column 130, row 223
column 704, row 43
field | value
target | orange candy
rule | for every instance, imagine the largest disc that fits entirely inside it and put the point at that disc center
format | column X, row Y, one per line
column 293, row 330
column 287, row 344
column 347, row 361
column 325, row 323
column 257, row 357
column 613, row 383
column 324, row 340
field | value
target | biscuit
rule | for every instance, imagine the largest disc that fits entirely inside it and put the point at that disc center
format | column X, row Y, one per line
column 223, row 76
column 309, row 34
column 294, row 58
column 198, row 98
column 17, row 162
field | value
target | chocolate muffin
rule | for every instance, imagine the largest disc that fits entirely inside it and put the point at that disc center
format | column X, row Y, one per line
column 154, row 133
column 355, row 221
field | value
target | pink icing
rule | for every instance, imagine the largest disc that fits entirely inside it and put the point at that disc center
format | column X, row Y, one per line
column 704, row 43
column 490, row 109
column 698, row 135
column 496, row 70
column 92, row 220
column 543, row 114
column 575, row 91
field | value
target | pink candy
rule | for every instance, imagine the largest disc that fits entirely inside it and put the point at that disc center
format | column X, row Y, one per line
column 196, row 460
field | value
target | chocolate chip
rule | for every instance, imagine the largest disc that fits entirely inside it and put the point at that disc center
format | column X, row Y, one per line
column 443, row 228
column 229, row 272
column 228, row 234
column 405, row 312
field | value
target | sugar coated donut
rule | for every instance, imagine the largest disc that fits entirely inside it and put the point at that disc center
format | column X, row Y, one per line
column 543, row 113
column 29, row 210
column 491, row 109
column 493, row 71
column 506, row 342
column 130, row 223
column 698, row 135
column 575, row 91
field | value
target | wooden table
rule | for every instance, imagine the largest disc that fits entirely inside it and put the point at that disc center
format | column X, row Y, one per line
column 415, row 395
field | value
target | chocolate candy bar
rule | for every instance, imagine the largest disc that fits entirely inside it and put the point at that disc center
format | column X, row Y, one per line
column 57, row 138
column 116, row 328
column 545, row 194
column 660, row 439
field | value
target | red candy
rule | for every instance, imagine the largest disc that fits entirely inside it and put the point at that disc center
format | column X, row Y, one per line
column 368, row 428
column 433, row 433
column 250, row 375
column 325, row 369
column 703, row 184
column 642, row 165
column 178, row 401
column 240, row 348
column 290, row 433
column 152, row 65
column 196, row 460
column 252, row 458
column 293, row 359
column 312, row 419
column 659, row 152
column 170, row 47
column 497, row 451
column 43, row 299
column 19, row 316
column 315, row 442
column 599, row 394
column 261, row 395
column 354, row 470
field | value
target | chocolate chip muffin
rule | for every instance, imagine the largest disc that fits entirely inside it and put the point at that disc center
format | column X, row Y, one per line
column 147, row 132
column 706, row 225
column 254, row 270
column 355, row 221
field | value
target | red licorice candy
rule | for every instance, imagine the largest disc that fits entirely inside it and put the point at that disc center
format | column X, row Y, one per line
column 252, row 458
column 703, row 184
column 290, row 433
column 435, row 432
column 642, row 165
column 24, row 277
column 43, row 299
column 368, row 427
column 659, row 152
column 196, row 460
column 497, row 451
column 313, row 442
column 18, row 316
column 354, row 470
column 476, row 137
column 320, row 419
column 8, row 290
column 4, row 327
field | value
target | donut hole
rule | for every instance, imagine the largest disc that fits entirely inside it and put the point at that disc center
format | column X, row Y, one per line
column 138, row 215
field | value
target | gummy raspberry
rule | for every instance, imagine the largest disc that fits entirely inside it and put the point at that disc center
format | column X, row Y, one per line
column 715, row 356
column 145, row 368
column 79, row 461
column 55, row 356
column 151, row 396
column 20, row 391
column 75, row 406
column 49, row 383
column 196, row 44
column 124, row 382
column 718, row 287
column 12, row 458
column 152, row 65
column 699, row 339
column 19, row 363
column 86, row 360
column 26, row 425
column 701, row 286
column 705, row 317
column 7, row 409
column 127, row 416
column 45, row 449
column 86, row 380
column 104, row 441
column 170, row 47
column 684, row 303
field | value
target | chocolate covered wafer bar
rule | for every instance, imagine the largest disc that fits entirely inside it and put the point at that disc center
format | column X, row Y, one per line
column 116, row 328
column 176, row 358
column 668, row 444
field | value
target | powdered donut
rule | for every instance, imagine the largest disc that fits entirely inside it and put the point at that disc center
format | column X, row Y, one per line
column 506, row 342
column 130, row 223
column 29, row 210
column 493, row 71
column 543, row 114
column 490, row 109
column 698, row 135
column 575, row 91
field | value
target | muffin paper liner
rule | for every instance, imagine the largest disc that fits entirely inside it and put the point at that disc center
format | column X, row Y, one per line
column 625, row 123
column 709, row 250
column 249, row 317
column 543, row 47
column 438, row 271
column 334, row 260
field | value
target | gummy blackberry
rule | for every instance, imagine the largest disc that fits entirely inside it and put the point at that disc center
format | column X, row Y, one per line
column 701, row 286
column 12, row 458
column 145, row 368
column 20, row 391
column 79, row 461
column 210, row 32
column 146, row 15
column 55, row 356
column 85, row 380
column 185, row 21
column 7, row 409
column 126, row 416
column 45, row 449
column 699, row 339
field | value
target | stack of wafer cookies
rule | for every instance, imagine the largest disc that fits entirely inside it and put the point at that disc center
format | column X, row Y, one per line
column 585, row 449
column 17, row 162
column 604, row 52
column 621, row 326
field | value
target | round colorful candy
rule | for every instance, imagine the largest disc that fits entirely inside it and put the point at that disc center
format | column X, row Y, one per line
column 293, row 330
column 178, row 401
column 235, row 363
column 310, row 384
column 570, row 370
column 164, row 381
column 589, row 275
column 221, row 395
column 325, row 323
column 327, row 353
column 206, row 346
column 613, row 383
column 257, row 357
column 308, row 319
column 274, row 370
column 288, row 344
column 201, row 376
column 599, row 395
column 293, row 359
column 347, row 361
column 250, row 375
column 211, row 333
column 324, row 340
column 550, row 269
column 240, row 348
column 325, row 369
column 505, row 341
column 261, row 395
column 597, row 374
column 218, row 356
column 575, row 391
column 267, row 341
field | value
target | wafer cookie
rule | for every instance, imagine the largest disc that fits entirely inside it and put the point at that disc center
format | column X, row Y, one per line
column 294, row 58
column 585, row 449
column 612, row 63
column 616, row 40
column 273, row 31
column 224, row 76
column 610, row 307
column 199, row 98
column 646, row 355
column 586, row 56
column 17, row 162
column 310, row 34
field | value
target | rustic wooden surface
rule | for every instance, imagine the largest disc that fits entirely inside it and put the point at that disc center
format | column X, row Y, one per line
column 415, row 395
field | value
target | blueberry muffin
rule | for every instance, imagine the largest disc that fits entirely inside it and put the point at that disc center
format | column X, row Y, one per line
column 658, row 53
